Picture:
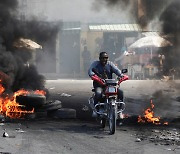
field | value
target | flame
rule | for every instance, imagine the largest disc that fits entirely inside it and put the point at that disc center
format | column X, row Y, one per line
column 40, row 92
column 8, row 105
column 149, row 117
column 2, row 89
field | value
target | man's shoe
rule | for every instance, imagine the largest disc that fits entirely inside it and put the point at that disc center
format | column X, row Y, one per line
column 94, row 114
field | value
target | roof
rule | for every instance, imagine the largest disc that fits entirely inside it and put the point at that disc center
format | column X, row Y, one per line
column 67, row 26
column 115, row 27
column 151, row 33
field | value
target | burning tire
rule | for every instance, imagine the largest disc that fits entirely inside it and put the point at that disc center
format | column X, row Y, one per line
column 33, row 100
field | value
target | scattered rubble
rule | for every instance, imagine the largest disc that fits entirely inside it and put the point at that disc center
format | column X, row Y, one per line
column 85, row 108
column 52, row 88
column 5, row 134
column 20, row 131
column 138, row 140
column 65, row 95
column 162, row 137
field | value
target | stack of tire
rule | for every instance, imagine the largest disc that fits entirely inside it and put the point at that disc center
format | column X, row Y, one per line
column 55, row 110
column 43, row 108
column 33, row 101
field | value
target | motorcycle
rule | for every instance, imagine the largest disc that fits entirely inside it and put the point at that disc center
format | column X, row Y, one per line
column 109, row 108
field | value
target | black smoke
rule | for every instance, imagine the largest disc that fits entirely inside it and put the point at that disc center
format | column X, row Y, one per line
column 152, row 9
column 15, row 71
column 119, row 6
column 167, row 12
column 171, row 26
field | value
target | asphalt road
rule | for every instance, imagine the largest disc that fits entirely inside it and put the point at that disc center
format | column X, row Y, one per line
column 138, row 95
column 83, row 134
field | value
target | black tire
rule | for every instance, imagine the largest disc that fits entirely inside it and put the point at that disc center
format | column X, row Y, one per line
column 63, row 113
column 112, row 119
column 53, row 105
column 41, row 114
column 30, row 116
column 103, row 122
column 31, row 100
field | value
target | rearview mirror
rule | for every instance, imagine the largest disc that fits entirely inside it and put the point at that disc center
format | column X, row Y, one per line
column 124, row 70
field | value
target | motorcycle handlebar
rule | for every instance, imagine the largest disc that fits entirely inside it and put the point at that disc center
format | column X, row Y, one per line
column 98, row 77
column 123, row 78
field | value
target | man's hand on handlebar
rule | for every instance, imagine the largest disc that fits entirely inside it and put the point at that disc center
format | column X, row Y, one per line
column 123, row 77
column 120, row 77
column 98, row 79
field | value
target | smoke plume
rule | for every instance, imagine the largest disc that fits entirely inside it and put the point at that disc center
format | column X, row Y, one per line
column 166, row 17
column 15, row 73
column 171, row 25
column 149, row 9
column 120, row 6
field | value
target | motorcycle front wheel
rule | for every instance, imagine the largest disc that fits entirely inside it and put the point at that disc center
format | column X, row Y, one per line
column 112, row 119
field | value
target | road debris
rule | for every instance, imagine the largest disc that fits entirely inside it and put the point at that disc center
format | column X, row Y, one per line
column 52, row 88
column 20, row 131
column 5, row 134
column 85, row 108
column 98, row 137
column 138, row 140
column 65, row 95
column 162, row 137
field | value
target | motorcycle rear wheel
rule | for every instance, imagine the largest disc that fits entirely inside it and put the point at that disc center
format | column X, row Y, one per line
column 112, row 119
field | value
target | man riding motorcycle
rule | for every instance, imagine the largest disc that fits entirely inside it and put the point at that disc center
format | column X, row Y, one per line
column 105, row 69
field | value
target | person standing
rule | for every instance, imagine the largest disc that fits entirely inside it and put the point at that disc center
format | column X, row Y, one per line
column 86, row 55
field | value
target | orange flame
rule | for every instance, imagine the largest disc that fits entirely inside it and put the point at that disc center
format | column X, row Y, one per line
column 40, row 92
column 149, row 117
column 8, row 105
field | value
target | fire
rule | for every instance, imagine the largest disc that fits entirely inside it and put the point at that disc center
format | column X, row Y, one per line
column 149, row 117
column 8, row 105
column 40, row 92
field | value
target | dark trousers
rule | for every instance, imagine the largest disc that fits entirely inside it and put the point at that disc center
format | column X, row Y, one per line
column 99, row 92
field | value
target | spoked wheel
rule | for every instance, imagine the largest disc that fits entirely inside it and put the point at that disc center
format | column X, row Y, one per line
column 103, row 122
column 112, row 119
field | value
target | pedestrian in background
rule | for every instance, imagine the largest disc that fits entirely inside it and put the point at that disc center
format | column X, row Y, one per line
column 86, row 55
